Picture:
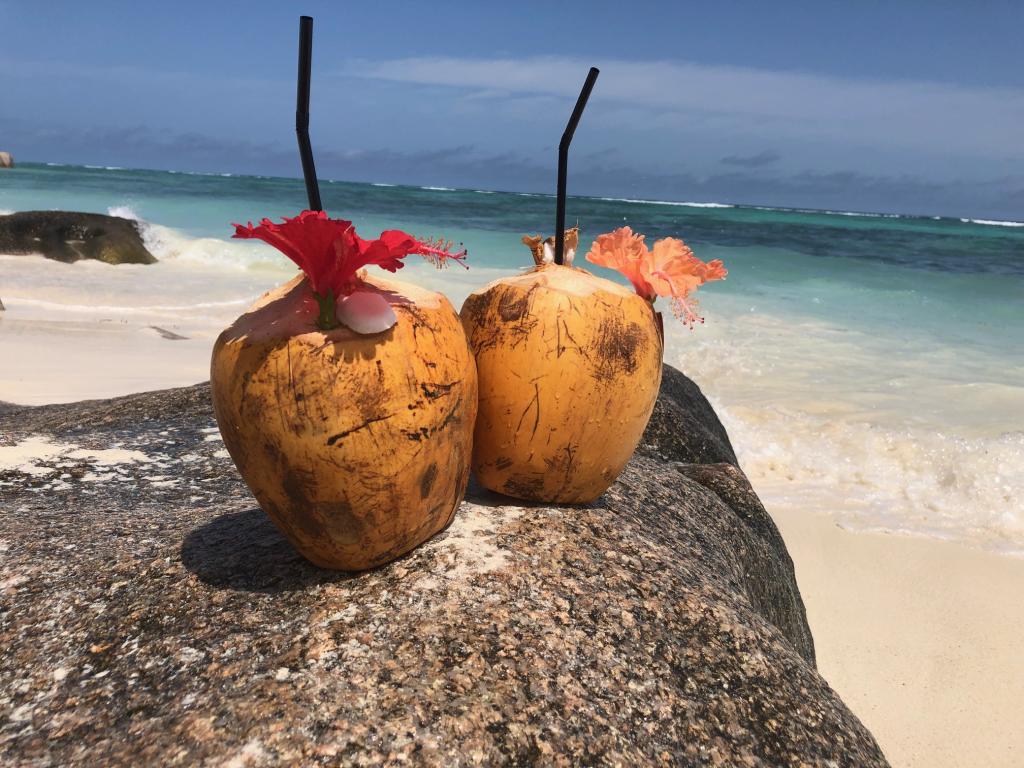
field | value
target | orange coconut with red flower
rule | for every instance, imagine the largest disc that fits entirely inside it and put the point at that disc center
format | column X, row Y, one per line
column 569, row 363
column 347, row 400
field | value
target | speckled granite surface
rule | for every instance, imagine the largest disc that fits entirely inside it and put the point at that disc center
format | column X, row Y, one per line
column 150, row 615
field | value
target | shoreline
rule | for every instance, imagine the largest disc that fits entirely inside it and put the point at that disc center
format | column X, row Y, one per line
column 919, row 636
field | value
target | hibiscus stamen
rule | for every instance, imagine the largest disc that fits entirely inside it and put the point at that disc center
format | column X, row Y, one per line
column 685, row 311
column 439, row 252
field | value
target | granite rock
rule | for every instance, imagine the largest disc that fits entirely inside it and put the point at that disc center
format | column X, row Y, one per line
column 684, row 427
column 69, row 236
column 150, row 614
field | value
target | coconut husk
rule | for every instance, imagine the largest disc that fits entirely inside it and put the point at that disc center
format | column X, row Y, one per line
column 569, row 367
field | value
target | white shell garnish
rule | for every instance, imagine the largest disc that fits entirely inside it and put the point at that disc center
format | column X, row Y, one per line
column 366, row 312
column 549, row 253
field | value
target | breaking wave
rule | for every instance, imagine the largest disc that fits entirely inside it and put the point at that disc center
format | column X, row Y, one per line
column 173, row 245
column 666, row 202
column 993, row 222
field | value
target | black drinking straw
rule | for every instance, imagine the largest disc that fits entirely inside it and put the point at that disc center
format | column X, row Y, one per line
column 563, row 161
column 302, row 112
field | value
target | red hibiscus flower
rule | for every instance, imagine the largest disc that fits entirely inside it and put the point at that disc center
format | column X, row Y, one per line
column 670, row 269
column 331, row 254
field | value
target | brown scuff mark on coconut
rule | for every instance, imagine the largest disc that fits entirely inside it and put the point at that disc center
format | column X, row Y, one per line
column 427, row 480
column 619, row 345
column 345, row 433
column 336, row 468
column 525, row 486
column 512, row 307
column 433, row 390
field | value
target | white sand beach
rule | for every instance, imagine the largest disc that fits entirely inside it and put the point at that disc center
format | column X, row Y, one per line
column 921, row 638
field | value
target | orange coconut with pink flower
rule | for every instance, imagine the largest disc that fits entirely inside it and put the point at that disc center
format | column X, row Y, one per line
column 569, row 363
column 347, row 400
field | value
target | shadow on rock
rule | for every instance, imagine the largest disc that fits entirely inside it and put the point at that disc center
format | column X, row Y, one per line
column 245, row 551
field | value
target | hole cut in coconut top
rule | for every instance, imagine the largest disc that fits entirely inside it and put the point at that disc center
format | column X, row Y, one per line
column 290, row 311
column 568, row 280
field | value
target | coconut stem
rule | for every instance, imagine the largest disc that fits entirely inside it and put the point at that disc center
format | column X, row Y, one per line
column 328, row 318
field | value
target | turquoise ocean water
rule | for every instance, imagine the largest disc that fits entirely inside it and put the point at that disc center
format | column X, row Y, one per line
column 868, row 366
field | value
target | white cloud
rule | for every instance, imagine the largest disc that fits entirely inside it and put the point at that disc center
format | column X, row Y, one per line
column 927, row 117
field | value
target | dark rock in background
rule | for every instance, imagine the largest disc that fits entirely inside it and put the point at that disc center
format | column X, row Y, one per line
column 68, row 236
column 150, row 614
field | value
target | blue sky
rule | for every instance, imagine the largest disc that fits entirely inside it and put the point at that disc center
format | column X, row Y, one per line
column 912, row 106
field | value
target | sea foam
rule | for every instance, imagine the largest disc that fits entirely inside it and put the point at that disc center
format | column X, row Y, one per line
column 172, row 245
column 124, row 212
column 993, row 222
column 666, row 202
column 874, row 477
column 827, row 419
